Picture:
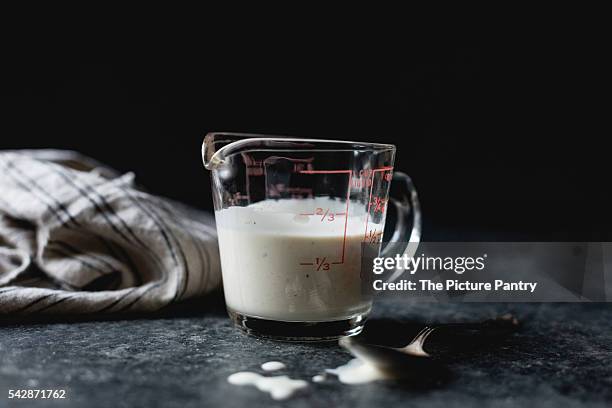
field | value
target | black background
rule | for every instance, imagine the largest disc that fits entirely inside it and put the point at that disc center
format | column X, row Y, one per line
column 498, row 135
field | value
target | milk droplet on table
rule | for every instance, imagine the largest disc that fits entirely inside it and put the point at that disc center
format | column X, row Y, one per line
column 357, row 371
column 272, row 366
column 279, row 387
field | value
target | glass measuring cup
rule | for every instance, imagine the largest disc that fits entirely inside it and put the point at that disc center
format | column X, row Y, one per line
column 299, row 222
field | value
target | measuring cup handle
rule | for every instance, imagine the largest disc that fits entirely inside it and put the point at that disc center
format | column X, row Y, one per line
column 404, row 196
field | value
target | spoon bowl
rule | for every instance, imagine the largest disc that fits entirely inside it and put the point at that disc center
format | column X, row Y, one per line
column 395, row 363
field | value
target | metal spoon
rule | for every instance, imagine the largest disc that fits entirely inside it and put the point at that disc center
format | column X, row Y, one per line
column 395, row 363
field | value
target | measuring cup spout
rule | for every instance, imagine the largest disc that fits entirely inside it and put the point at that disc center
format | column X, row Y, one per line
column 218, row 146
column 215, row 147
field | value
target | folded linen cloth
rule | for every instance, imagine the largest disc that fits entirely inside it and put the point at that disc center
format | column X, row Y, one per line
column 77, row 237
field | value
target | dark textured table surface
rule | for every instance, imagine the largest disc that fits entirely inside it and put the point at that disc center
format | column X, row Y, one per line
column 562, row 356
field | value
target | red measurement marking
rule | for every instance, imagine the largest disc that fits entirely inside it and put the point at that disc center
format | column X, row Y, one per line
column 379, row 204
column 278, row 189
column 325, row 214
column 325, row 171
column 320, row 212
column 348, row 198
column 253, row 167
column 373, row 236
column 322, row 264
column 388, row 168
column 236, row 197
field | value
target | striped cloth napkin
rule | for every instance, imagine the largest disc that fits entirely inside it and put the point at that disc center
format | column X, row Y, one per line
column 76, row 237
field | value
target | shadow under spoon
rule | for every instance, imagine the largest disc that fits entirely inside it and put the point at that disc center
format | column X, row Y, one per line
column 412, row 361
column 394, row 363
